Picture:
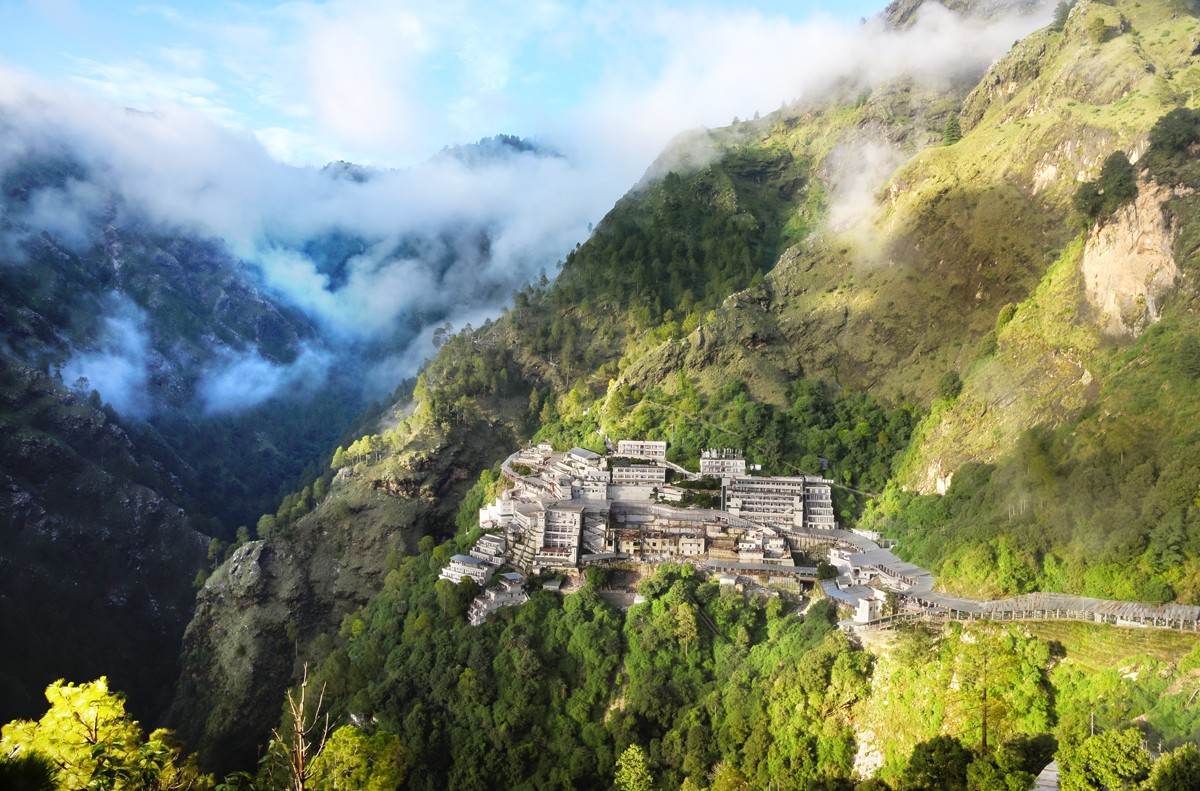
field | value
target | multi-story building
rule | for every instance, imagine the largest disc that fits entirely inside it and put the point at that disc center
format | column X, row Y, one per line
column 646, row 449
column 590, row 489
column 466, row 567
column 818, row 504
column 509, row 593
column 582, row 457
column 638, row 542
column 558, row 543
column 639, row 474
column 800, row 502
column 490, row 549
column 498, row 513
column 722, row 463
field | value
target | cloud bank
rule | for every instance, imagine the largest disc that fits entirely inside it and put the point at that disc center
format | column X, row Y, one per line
column 241, row 381
column 118, row 368
column 356, row 76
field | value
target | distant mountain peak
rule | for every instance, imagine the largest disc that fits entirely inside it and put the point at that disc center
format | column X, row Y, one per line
column 901, row 13
column 496, row 149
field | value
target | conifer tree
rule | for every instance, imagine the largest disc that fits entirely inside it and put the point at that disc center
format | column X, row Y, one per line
column 632, row 773
column 953, row 130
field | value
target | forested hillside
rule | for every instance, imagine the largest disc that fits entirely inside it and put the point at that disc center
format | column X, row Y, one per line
column 701, row 686
column 968, row 300
column 865, row 349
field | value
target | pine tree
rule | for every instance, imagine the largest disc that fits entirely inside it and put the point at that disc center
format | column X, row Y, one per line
column 632, row 773
column 1061, row 12
column 953, row 131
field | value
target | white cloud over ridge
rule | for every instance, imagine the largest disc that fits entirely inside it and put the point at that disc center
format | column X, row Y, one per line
column 362, row 76
column 118, row 368
column 239, row 381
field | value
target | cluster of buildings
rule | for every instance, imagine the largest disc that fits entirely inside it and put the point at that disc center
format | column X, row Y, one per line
column 566, row 510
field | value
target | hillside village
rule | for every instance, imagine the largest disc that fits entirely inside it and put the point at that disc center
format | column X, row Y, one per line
column 569, row 510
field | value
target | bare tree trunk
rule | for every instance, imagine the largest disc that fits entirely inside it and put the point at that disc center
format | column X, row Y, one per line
column 307, row 739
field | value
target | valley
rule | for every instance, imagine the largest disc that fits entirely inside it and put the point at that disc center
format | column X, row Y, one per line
column 855, row 447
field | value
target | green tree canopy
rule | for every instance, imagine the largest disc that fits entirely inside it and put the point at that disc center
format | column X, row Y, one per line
column 632, row 773
column 1109, row 760
column 88, row 735
column 353, row 760
column 939, row 764
column 1178, row 770
column 952, row 133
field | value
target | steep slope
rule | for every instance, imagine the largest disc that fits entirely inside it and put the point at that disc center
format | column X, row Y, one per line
column 711, row 217
column 961, row 267
column 99, row 550
column 1098, row 497
column 804, row 284
column 222, row 394
column 275, row 602
column 175, row 331
column 96, row 556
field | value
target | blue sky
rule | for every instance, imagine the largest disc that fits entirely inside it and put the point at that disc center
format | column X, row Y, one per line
column 391, row 82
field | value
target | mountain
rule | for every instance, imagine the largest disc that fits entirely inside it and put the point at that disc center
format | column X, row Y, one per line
column 967, row 298
column 899, row 281
column 97, row 556
column 164, row 392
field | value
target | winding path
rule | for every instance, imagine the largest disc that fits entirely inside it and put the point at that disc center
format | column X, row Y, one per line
column 920, row 601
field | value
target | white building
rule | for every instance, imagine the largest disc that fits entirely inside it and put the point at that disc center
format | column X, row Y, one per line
column 639, row 474
column 800, row 502
column 558, row 542
column 464, row 566
column 647, row 449
column 499, row 513
column 818, row 504
column 582, row 457
column 490, row 549
column 869, row 610
column 510, row 593
column 590, row 489
column 722, row 463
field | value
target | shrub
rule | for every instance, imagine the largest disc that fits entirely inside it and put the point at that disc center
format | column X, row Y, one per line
column 1116, row 187
column 950, row 385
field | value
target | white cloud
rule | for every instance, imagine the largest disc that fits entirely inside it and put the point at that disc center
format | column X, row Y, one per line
column 117, row 368
column 241, row 381
column 357, row 74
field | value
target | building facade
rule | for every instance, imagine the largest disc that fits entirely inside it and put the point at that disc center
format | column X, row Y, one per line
column 647, row 449
column 463, row 567
column 799, row 502
column 639, row 474
column 722, row 463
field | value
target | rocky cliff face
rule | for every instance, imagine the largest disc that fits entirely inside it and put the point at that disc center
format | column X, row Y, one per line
column 1128, row 264
column 270, row 607
column 96, row 559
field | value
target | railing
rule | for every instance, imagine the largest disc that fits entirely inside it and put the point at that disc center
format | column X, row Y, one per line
column 934, row 615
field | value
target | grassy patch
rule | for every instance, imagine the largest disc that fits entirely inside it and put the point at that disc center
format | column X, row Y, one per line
column 1100, row 646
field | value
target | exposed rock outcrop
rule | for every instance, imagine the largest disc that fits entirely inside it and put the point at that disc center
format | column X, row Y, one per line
column 1128, row 264
column 261, row 615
